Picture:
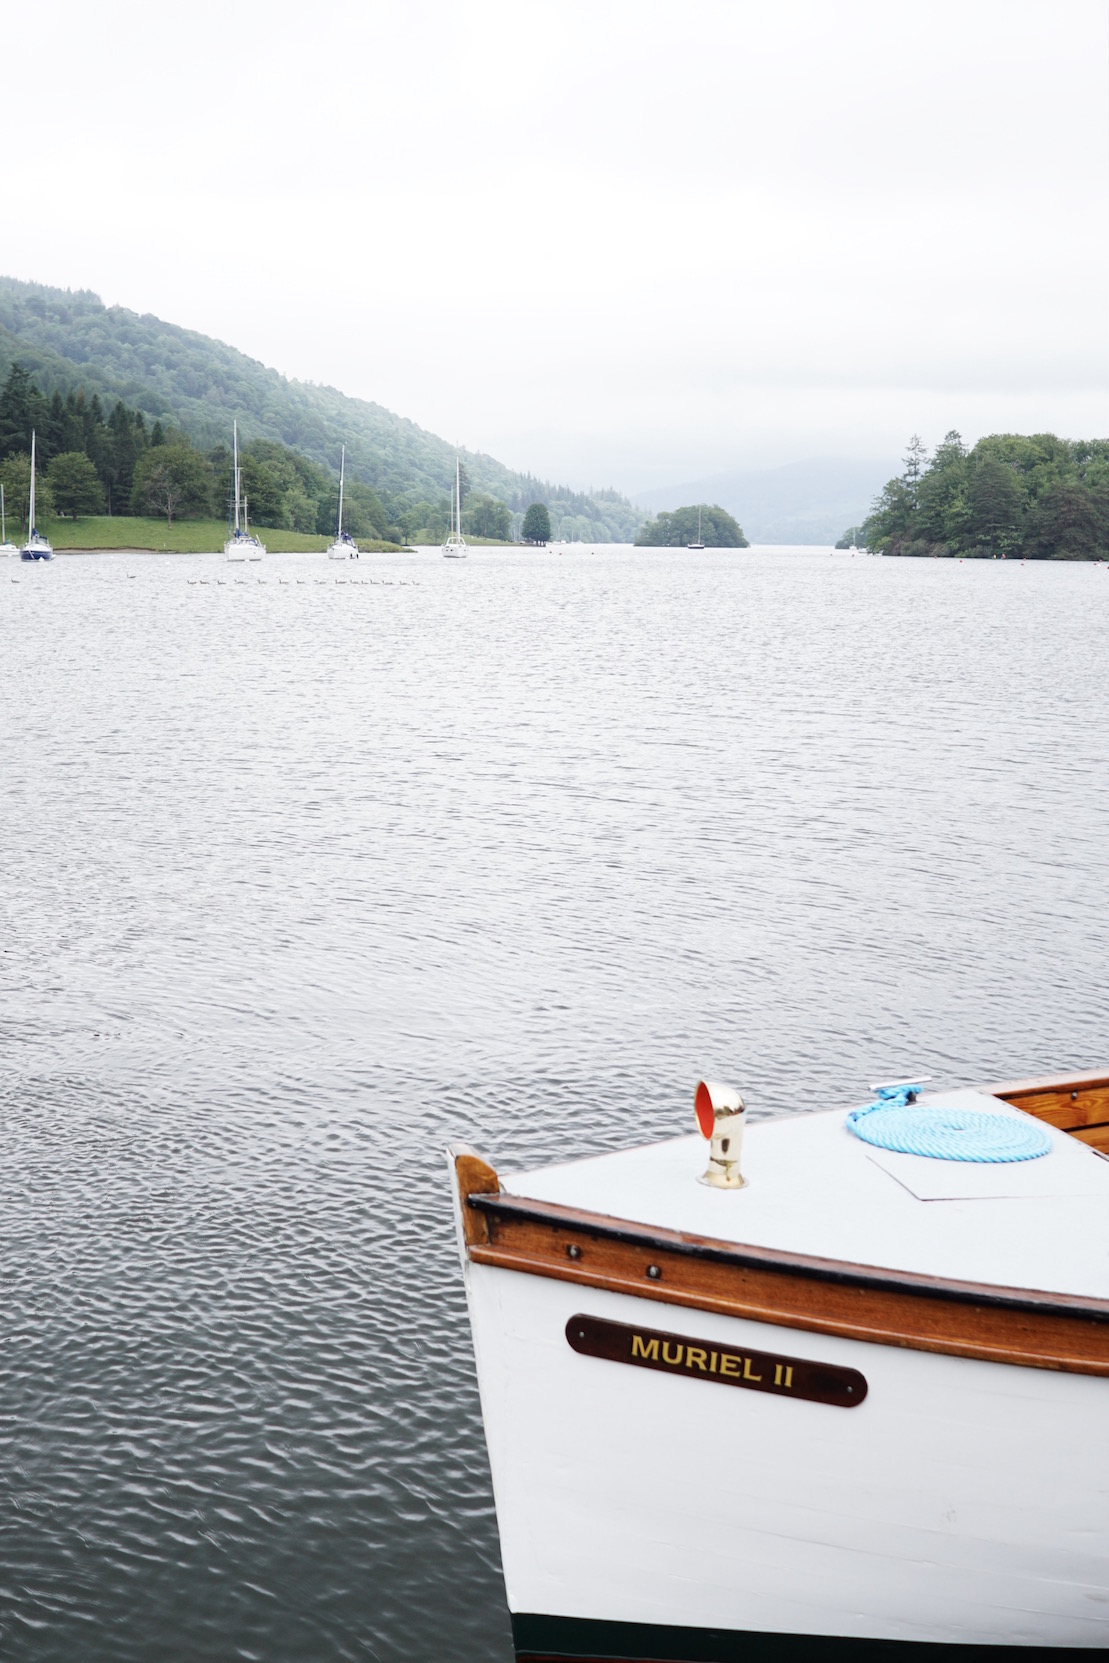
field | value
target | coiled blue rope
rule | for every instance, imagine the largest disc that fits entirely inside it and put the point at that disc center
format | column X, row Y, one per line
column 892, row 1122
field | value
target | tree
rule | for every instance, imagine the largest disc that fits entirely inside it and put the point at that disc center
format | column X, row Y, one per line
column 995, row 504
column 537, row 524
column 126, row 443
column 941, row 494
column 173, row 480
column 1070, row 521
column 55, row 430
column 363, row 515
column 15, row 475
column 261, row 490
column 22, row 408
column 74, row 484
column 890, row 520
column 301, row 511
column 485, row 517
column 916, row 458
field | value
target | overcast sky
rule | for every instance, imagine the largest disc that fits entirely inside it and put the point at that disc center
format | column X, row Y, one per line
column 626, row 243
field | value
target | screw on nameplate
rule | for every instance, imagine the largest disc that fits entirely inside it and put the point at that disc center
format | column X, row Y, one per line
column 720, row 1111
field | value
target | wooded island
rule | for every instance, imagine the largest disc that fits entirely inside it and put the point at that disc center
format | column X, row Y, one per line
column 1010, row 496
column 712, row 526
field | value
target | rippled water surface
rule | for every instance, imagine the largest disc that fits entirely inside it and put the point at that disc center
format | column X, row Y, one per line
column 303, row 878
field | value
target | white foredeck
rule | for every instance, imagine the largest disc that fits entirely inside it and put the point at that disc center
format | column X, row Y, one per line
column 813, row 1187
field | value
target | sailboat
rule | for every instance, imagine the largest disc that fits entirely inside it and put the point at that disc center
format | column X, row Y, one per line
column 344, row 547
column 6, row 548
column 240, row 545
column 698, row 544
column 455, row 546
column 36, row 547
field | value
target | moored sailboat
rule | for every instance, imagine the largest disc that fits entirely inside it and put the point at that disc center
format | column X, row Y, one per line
column 698, row 544
column 344, row 547
column 240, row 545
column 834, row 1401
column 37, row 547
column 455, row 546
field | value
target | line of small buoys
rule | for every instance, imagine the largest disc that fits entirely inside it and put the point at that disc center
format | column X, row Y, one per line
column 243, row 582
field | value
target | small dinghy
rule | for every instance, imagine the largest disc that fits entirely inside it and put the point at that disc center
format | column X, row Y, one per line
column 832, row 1393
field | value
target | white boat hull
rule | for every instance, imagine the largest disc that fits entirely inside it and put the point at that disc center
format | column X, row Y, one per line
column 964, row 1502
column 243, row 549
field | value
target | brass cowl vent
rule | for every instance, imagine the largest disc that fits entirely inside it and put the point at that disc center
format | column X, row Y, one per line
column 720, row 1111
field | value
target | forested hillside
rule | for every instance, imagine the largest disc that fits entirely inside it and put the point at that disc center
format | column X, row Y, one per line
column 68, row 340
column 1036, row 498
column 93, row 461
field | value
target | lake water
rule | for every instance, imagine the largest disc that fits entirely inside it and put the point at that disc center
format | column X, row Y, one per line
column 302, row 879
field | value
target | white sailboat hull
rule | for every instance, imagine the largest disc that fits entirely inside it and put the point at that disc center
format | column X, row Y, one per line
column 243, row 549
column 964, row 1502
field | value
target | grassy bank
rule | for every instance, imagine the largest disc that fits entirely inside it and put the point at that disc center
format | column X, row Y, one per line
column 183, row 537
column 424, row 539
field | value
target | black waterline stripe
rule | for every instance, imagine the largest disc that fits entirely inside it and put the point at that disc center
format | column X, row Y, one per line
column 540, row 1639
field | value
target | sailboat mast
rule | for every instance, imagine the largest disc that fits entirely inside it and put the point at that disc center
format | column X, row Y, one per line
column 3, row 522
column 236, row 476
column 458, row 491
column 31, row 508
column 342, row 471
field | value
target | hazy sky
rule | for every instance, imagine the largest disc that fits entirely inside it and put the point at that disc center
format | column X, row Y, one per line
column 612, row 242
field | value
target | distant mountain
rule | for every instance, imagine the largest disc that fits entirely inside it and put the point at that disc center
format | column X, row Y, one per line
column 69, row 338
column 804, row 502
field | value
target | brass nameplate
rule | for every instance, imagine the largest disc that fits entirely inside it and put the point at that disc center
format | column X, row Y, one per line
column 755, row 1371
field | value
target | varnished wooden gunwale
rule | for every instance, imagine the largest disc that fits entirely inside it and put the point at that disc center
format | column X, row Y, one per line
column 1010, row 1325
column 1075, row 1103
column 860, row 1302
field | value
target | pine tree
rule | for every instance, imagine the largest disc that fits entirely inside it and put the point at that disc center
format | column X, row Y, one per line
column 22, row 407
column 537, row 524
column 916, row 459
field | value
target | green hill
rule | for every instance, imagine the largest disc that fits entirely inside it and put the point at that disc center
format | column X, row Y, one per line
column 70, row 339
